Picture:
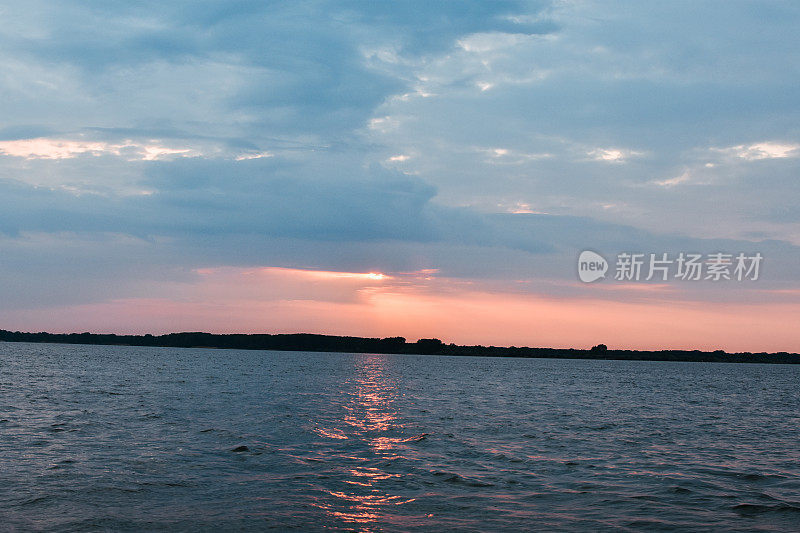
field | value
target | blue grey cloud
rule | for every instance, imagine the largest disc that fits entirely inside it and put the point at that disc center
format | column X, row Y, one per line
column 387, row 136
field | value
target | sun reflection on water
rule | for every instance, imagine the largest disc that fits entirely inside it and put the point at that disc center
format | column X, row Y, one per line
column 372, row 425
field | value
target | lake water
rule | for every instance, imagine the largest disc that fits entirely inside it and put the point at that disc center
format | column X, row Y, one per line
column 124, row 438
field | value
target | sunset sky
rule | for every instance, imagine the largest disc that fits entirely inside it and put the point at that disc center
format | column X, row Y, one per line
column 416, row 168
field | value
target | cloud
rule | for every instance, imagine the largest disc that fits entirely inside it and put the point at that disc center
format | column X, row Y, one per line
column 297, row 69
column 600, row 84
column 763, row 150
column 44, row 148
column 613, row 154
column 274, row 212
column 672, row 182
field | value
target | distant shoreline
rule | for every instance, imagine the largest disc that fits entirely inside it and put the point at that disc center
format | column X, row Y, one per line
column 308, row 342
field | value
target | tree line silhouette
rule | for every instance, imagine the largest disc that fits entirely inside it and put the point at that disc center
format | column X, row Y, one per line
column 392, row 345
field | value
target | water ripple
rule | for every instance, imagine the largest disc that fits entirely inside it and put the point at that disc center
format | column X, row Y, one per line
column 130, row 439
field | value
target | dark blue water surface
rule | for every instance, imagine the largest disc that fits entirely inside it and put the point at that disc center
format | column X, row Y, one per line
column 125, row 438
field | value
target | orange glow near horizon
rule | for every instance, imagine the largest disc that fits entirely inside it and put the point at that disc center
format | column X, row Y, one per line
column 419, row 305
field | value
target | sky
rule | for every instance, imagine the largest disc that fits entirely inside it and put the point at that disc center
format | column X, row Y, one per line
column 424, row 169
